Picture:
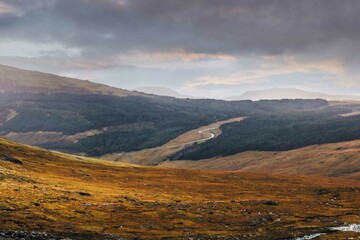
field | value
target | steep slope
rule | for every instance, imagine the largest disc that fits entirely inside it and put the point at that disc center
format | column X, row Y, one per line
column 288, row 93
column 81, row 198
column 338, row 159
column 19, row 80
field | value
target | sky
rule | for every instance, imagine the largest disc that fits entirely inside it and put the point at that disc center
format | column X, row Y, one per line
column 202, row 48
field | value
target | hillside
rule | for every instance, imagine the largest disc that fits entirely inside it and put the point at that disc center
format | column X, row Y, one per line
column 52, row 114
column 101, row 124
column 78, row 117
column 81, row 117
column 53, row 194
column 280, row 131
column 289, row 93
column 338, row 159
column 19, row 80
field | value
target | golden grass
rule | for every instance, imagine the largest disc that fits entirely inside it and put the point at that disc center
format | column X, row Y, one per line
column 338, row 159
column 14, row 79
column 57, row 192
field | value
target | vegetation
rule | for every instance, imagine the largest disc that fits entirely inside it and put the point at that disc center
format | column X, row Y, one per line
column 125, row 123
column 332, row 159
column 82, row 198
column 277, row 132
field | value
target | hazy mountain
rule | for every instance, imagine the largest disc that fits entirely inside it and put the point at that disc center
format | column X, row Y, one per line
column 19, row 80
column 161, row 91
column 288, row 93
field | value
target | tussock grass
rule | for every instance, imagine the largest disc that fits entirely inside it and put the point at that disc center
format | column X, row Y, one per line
column 147, row 202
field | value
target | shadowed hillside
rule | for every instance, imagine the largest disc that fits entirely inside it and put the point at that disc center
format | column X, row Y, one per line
column 90, row 119
column 279, row 132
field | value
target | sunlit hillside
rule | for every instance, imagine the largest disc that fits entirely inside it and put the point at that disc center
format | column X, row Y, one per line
column 19, row 80
column 87, row 199
column 336, row 160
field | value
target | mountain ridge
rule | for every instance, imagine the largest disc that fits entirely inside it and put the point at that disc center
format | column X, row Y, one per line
column 289, row 93
column 161, row 91
column 18, row 80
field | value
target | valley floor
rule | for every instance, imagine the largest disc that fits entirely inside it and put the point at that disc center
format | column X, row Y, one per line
column 83, row 198
column 157, row 155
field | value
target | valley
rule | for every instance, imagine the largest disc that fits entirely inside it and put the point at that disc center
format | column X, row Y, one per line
column 179, row 120
column 154, row 156
column 116, row 166
column 280, row 131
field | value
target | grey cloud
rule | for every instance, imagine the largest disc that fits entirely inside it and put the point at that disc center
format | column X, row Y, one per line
column 105, row 27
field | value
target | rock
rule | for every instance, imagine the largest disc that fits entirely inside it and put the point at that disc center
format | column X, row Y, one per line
column 270, row 203
column 12, row 160
column 262, row 220
column 322, row 191
column 84, row 194
column 33, row 235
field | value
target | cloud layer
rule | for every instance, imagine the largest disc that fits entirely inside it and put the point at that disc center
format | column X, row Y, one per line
column 108, row 33
column 211, row 26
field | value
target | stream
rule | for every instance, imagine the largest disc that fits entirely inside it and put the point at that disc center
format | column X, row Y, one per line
column 349, row 228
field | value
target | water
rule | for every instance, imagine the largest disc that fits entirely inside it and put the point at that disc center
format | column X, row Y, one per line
column 349, row 228
column 312, row 236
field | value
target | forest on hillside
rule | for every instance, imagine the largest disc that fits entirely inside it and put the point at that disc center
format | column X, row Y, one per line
column 127, row 123
column 277, row 132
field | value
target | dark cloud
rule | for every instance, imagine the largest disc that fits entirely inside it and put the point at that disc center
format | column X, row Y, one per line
column 103, row 27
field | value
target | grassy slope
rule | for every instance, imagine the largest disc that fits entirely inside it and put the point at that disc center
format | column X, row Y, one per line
column 43, row 194
column 19, row 80
column 337, row 159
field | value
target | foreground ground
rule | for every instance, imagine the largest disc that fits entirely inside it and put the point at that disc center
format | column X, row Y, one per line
column 86, row 199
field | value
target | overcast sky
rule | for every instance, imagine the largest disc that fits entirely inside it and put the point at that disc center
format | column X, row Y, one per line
column 209, row 48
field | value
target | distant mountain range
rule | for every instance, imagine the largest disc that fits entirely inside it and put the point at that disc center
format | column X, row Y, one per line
column 161, row 91
column 19, row 80
column 289, row 93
